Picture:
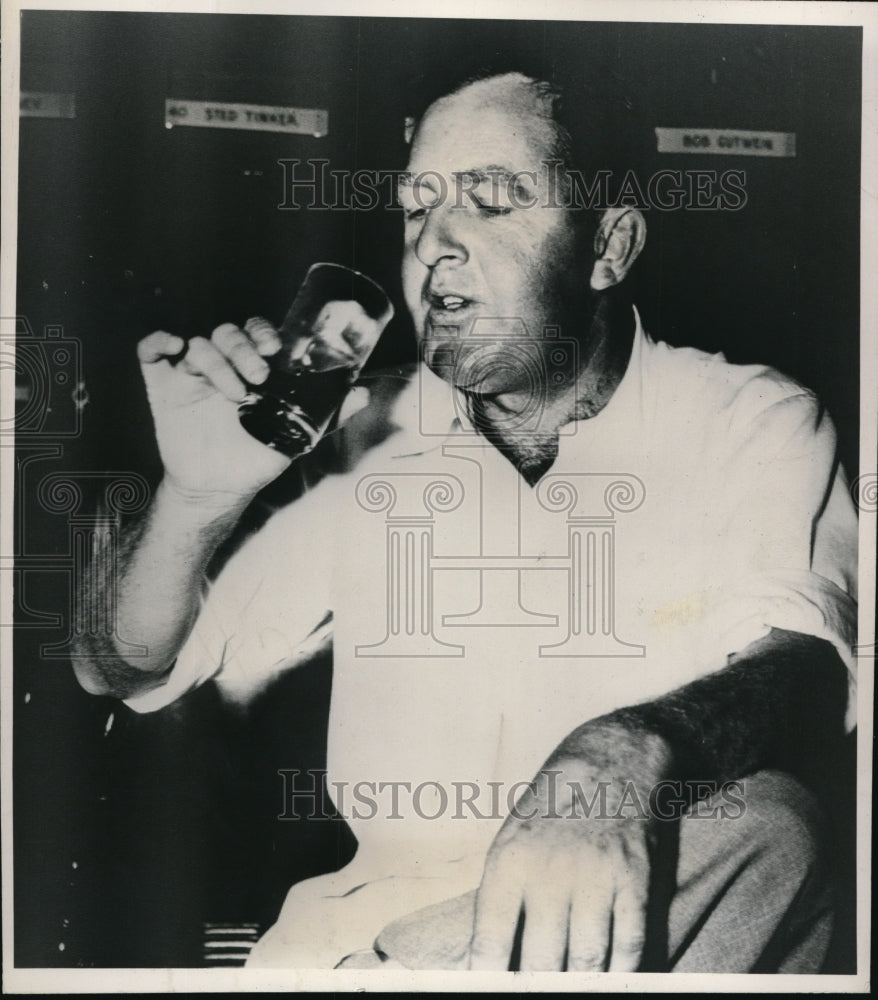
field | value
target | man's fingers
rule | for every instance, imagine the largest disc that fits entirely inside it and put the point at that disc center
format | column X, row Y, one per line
column 264, row 336
column 629, row 924
column 202, row 358
column 544, row 942
column 158, row 346
column 588, row 933
column 241, row 352
column 498, row 905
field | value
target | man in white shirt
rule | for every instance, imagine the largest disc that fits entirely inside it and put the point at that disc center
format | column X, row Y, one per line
column 633, row 573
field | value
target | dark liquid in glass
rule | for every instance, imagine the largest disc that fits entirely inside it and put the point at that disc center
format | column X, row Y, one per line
column 292, row 408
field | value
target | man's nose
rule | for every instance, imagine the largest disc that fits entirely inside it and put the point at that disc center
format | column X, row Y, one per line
column 441, row 236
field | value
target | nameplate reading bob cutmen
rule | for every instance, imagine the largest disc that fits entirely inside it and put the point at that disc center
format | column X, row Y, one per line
column 725, row 141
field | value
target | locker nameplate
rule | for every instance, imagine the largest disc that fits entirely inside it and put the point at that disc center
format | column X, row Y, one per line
column 725, row 141
column 256, row 117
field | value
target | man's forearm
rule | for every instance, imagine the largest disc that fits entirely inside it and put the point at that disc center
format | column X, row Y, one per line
column 157, row 581
column 781, row 704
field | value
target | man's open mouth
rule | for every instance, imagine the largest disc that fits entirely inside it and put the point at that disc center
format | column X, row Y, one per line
column 447, row 304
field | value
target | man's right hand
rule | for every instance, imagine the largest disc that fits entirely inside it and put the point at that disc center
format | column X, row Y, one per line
column 194, row 390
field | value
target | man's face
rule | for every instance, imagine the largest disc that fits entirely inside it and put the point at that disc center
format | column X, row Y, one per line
column 486, row 261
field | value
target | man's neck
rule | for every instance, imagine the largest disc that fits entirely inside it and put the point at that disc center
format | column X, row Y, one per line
column 606, row 354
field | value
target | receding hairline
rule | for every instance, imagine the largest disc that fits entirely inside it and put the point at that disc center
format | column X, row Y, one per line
column 513, row 90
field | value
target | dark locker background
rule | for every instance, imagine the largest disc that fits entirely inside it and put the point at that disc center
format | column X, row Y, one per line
column 133, row 832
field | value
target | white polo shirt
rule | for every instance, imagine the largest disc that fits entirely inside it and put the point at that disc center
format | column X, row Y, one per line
column 477, row 620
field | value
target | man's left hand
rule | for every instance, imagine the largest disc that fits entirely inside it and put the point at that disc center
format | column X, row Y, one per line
column 572, row 860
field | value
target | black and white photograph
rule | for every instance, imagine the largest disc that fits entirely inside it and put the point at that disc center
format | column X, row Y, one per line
column 439, row 496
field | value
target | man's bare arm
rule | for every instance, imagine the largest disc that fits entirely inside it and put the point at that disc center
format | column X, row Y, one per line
column 212, row 470
column 777, row 705
column 157, row 579
column 583, row 881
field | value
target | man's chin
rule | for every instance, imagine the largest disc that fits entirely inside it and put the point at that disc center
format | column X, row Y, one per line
column 470, row 367
column 465, row 366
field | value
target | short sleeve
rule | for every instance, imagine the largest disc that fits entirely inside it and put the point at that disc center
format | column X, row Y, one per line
column 257, row 616
column 785, row 543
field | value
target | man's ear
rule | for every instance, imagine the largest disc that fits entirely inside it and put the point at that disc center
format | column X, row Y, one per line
column 620, row 237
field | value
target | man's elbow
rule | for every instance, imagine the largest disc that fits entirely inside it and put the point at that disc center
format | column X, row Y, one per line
column 111, row 677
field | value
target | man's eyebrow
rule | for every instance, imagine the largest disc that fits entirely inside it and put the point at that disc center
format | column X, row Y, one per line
column 492, row 172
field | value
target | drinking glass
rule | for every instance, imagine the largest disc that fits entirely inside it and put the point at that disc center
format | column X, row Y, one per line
column 327, row 336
